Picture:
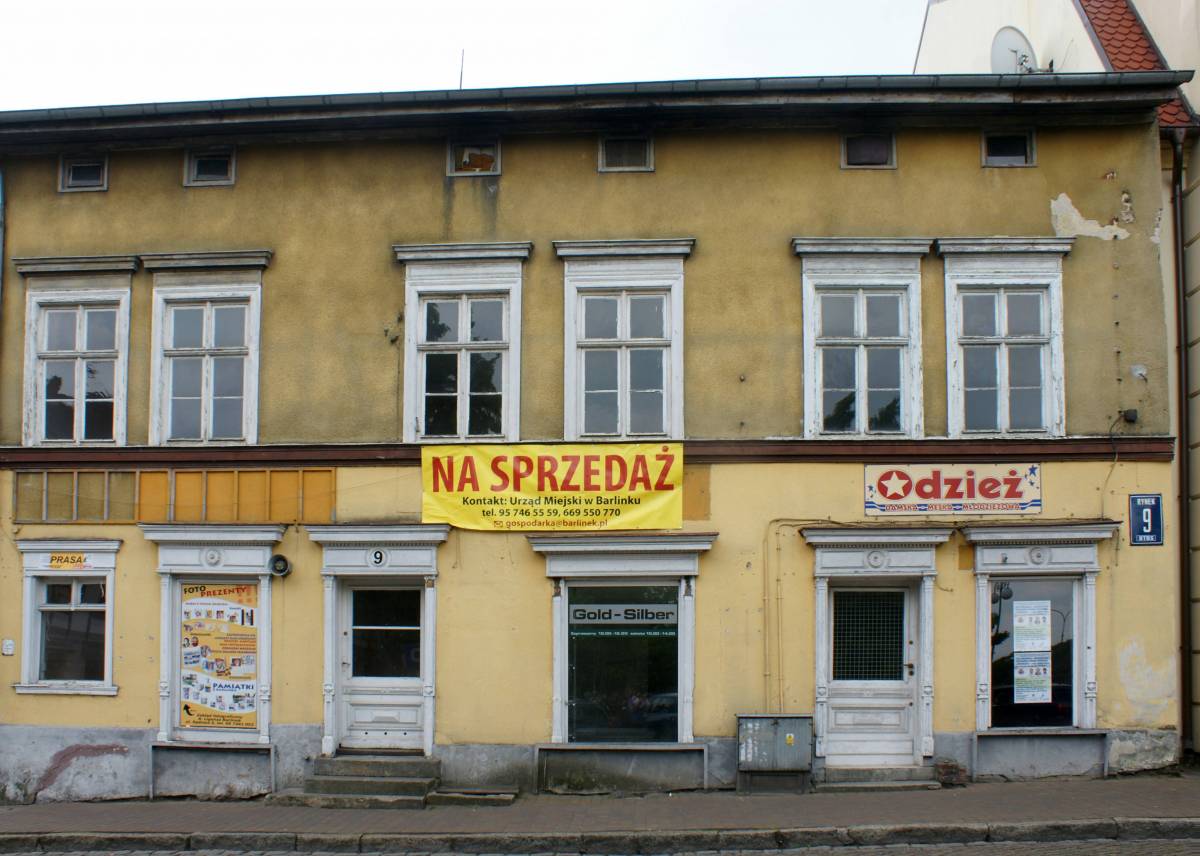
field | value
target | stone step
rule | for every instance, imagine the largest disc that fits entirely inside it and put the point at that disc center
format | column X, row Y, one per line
column 471, row 797
column 391, row 766
column 874, row 787
column 913, row 773
column 369, row 785
column 296, row 797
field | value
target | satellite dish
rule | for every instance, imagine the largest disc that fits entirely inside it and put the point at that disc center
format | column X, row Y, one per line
column 1012, row 53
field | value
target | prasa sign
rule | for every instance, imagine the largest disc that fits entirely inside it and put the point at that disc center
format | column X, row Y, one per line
column 956, row 489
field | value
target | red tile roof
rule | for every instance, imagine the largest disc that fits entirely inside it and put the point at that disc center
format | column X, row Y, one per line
column 1129, row 48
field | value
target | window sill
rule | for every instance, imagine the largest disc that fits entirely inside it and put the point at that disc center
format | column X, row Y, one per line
column 1048, row 731
column 66, row 688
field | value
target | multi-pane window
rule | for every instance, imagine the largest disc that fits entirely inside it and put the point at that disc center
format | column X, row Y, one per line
column 463, row 352
column 1005, row 344
column 624, row 355
column 76, row 372
column 205, row 365
column 72, row 619
column 862, row 339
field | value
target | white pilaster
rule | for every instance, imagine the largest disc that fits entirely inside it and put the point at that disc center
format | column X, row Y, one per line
column 822, row 671
column 558, row 727
column 687, row 657
column 429, row 660
column 166, row 655
column 329, row 676
column 983, row 652
column 1087, row 717
column 926, row 673
column 265, row 629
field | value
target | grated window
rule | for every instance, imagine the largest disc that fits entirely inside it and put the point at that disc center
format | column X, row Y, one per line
column 868, row 636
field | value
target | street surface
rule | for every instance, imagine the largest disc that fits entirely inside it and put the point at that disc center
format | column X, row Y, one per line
column 1056, row 848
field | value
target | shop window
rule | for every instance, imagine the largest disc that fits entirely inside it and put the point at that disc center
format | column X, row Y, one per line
column 210, row 167
column 480, row 157
column 68, row 617
column 76, row 358
column 623, row 652
column 626, row 154
column 1006, row 148
column 86, row 172
column 205, row 370
column 862, row 335
column 1005, row 349
column 624, row 339
column 869, row 151
column 1033, row 652
column 462, row 352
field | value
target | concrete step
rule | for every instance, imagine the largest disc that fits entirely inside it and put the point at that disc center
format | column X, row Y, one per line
column 879, row 774
column 874, row 787
column 369, row 785
column 390, row 766
column 296, row 797
column 472, row 796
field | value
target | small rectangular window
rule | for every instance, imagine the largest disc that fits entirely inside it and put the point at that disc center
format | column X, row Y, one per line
column 88, row 172
column 869, row 150
column 626, row 154
column 473, row 158
column 1008, row 148
column 209, row 167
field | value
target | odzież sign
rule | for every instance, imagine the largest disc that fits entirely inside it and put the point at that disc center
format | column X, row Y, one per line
column 960, row 489
column 559, row 487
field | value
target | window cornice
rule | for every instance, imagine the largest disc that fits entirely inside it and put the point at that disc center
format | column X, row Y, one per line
column 207, row 260
column 861, row 246
column 950, row 246
column 40, row 265
column 640, row 247
column 462, row 252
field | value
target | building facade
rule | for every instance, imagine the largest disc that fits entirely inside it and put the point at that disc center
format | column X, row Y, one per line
column 914, row 406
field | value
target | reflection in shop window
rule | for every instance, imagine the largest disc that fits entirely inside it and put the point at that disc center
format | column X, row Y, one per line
column 1033, row 653
column 623, row 656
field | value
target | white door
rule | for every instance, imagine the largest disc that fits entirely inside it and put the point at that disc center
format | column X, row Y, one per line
column 872, row 719
column 379, row 693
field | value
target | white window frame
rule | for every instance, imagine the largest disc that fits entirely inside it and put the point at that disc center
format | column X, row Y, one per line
column 1065, row 552
column 189, row 167
column 624, row 560
column 456, row 271
column 99, row 565
column 452, row 167
column 866, row 264
column 89, row 292
column 64, row 165
column 204, row 553
column 1027, row 264
column 173, row 288
column 628, row 268
column 602, row 163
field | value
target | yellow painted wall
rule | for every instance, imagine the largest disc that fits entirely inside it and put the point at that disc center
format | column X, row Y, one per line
column 333, row 296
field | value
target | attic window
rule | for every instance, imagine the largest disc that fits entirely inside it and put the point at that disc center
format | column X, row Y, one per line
column 477, row 158
column 83, row 173
column 626, row 154
column 869, row 150
column 1008, row 148
column 209, row 167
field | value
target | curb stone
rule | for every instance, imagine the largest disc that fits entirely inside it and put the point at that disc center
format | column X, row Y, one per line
column 75, row 841
column 813, row 836
column 17, row 842
column 920, row 833
column 1158, row 827
column 608, row 842
column 1052, row 830
column 327, row 842
column 240, row 841
column 398, row 842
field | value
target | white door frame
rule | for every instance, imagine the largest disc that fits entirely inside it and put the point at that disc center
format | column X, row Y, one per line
column 378, row 554
column 885, row 557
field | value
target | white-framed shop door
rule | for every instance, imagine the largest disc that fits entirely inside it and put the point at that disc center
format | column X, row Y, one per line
column 873, row 717
column 380, row 681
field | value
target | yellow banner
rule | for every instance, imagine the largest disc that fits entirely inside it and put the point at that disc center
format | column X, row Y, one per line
column 219, row 674
column 562, row 488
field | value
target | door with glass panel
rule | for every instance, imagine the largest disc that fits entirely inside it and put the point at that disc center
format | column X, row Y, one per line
column 380, row 698
column 872, row 720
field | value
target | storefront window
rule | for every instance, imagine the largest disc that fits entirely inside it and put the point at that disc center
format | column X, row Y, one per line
column 623, row 654
column 1033, row 653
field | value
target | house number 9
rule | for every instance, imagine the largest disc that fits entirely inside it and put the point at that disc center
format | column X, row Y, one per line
column 378, row 557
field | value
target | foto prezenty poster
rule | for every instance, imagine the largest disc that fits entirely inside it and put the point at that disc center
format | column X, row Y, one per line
column 219, row 656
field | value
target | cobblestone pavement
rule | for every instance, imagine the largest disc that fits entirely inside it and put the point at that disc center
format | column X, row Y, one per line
column 1057, row 848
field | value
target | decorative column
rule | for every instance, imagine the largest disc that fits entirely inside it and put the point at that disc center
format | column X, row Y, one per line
column 166, row 657
column 429, row 662
column 983, row 652
column 820, row 721
column 558, row 727
column 265, row 628
column 926, row 675
column 687, row 657
column 329, row 677
column 1087, row 718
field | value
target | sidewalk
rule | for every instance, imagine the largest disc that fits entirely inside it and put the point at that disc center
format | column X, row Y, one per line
column 1135, row 808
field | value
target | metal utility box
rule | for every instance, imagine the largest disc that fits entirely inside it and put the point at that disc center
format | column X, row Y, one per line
column 774, row 751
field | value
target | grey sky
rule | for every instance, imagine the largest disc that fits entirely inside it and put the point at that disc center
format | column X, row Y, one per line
column 77, row 52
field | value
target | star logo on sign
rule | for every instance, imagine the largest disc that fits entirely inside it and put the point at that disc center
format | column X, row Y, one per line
column 894, row 484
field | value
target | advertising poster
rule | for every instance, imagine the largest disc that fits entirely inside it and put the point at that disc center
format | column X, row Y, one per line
column 565, row 488
column 1031, row 677
column 624, row 619
column 1031, row 625
column 892, row 490
column 219, row 651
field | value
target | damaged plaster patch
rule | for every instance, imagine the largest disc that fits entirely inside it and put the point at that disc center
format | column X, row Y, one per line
column 1069, row 223
column 1149, row 686
column 1129, row 751
column 1156, row 235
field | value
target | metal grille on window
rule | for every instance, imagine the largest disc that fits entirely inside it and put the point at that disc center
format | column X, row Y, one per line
column 868, row 636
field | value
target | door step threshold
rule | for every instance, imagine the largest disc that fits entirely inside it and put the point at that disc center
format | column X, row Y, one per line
column 472, row 796
column 297, row 797
column 369, row 785
column 390, row 753
column 874, row 787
